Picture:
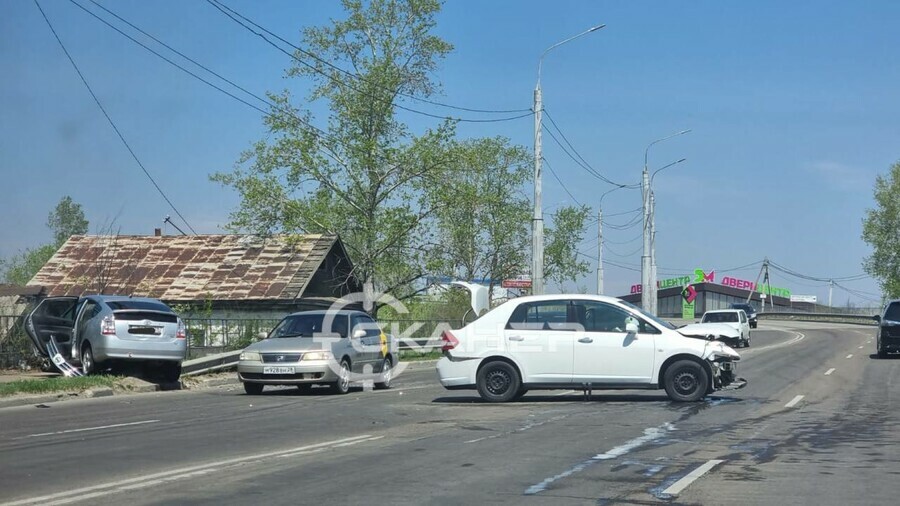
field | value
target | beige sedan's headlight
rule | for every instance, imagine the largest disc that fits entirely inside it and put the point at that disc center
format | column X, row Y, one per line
column 250, row 356
column 316, row 355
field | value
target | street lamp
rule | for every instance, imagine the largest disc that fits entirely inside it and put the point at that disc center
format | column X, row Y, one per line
column 654, row 290
column 600, row 239
column 648, row 285
column 537, row 222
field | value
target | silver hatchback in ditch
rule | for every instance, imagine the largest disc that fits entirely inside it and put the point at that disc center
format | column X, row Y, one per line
column 99, row 330
column 334, row 348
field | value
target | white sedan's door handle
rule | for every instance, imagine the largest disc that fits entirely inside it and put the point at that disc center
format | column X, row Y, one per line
column 516, row 338
column 585, row 340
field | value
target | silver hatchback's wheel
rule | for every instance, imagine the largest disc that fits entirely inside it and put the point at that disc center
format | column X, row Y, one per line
column 342, row 385
column 686, row 381
column 498, row 382
column 387, row 374
column 88, row 364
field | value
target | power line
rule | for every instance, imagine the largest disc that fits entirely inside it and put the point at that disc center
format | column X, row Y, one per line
column 109, row 119
column 816, row 278
column 580, row 159
column 234, row 15
column 590, row 170
column 620, row 255
column 313, row 130
column 560, row 182
column 621, row 243
column 857, row 293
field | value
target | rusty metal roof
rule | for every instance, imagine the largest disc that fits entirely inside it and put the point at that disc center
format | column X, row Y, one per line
column 186, row 268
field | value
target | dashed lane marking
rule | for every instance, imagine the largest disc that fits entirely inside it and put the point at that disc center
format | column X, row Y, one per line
column 829, row 371
column 86, row 429
column 793, row 402
column 691, row 477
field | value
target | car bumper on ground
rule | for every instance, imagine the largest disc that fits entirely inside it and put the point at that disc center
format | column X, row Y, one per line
column 288, row 374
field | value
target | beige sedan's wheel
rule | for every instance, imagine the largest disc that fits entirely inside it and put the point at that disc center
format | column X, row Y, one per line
column 387, row 374
column 342, row 385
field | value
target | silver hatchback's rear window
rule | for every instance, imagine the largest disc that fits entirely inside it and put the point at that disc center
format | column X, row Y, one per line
column 143, row 305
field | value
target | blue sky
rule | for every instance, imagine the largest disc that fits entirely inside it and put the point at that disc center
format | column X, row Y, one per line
column 793, row 108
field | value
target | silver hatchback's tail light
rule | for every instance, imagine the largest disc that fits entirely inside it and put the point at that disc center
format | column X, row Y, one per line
column 108, row 325
column 181, row 333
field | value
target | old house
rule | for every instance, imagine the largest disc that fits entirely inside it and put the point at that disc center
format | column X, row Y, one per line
column 229, row 276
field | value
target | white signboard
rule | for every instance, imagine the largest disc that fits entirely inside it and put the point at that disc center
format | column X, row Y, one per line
column 804, row 298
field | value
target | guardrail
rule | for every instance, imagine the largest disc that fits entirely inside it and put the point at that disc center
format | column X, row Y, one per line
column 820, row 317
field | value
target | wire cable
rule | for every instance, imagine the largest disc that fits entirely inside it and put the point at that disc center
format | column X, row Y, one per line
column 620, row 255
column 816, row 278
column 234, row 15
column 580, row 159
column 109, row 119
column 560, row 182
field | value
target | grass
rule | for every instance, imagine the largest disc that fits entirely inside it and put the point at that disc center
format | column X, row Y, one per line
column 413, row 356
column 55, row 384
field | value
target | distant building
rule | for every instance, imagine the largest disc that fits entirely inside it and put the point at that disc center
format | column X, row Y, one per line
column 236, row 276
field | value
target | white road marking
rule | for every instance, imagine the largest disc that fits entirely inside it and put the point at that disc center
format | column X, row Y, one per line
column 850, row 356
column 683, row 483
column 565, row 392
column 793, row 402
column 104, row 489
column 650, row 434
column 829, row 371
column 520, row 429
column 799, row 336
column 91, row 428
column 860, row 347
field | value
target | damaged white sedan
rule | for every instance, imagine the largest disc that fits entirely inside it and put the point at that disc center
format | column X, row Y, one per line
column 589, row 342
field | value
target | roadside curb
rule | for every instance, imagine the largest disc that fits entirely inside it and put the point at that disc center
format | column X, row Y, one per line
column 414, row 365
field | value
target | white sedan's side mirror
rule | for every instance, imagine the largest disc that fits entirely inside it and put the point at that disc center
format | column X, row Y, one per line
column 262, row 335
column 359, row 333
column 631, row 327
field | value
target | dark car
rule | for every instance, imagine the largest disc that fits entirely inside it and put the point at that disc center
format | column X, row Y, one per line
column 751, row 313
column 888, row 339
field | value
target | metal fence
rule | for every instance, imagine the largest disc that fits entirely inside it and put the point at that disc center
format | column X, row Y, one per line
column 213, row 335
column 16, row 348
column 224, row 334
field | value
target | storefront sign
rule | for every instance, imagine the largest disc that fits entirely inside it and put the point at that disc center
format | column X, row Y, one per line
column 701, row 276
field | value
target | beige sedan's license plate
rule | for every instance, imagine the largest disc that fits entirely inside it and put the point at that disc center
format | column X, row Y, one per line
column 278, row 370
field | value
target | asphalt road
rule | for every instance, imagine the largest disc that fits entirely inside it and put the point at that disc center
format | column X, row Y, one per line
column 816, row 425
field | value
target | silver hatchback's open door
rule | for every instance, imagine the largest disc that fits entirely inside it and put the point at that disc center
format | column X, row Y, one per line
column 50, row 327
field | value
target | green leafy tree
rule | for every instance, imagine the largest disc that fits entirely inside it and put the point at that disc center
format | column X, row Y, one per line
column 65, row 220
column 561, row 257
column 363, row 175
column 482, row 222
column 881, row 230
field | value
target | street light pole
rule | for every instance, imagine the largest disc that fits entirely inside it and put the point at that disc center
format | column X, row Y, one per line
column 648, row 278
column 599, row 251
column 537, row 222
column 654, row 288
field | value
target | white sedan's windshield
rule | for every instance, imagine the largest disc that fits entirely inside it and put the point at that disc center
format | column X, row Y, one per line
column 648, row 315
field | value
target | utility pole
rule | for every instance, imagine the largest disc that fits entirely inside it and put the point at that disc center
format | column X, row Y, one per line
column 645, row 256
column 654, row 288
column 756, row 284
column 600, row 252
column 648, row 275
column 830, row 291
column 537, row 221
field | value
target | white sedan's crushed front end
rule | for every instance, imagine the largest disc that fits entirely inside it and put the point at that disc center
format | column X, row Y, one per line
column 723, row 361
